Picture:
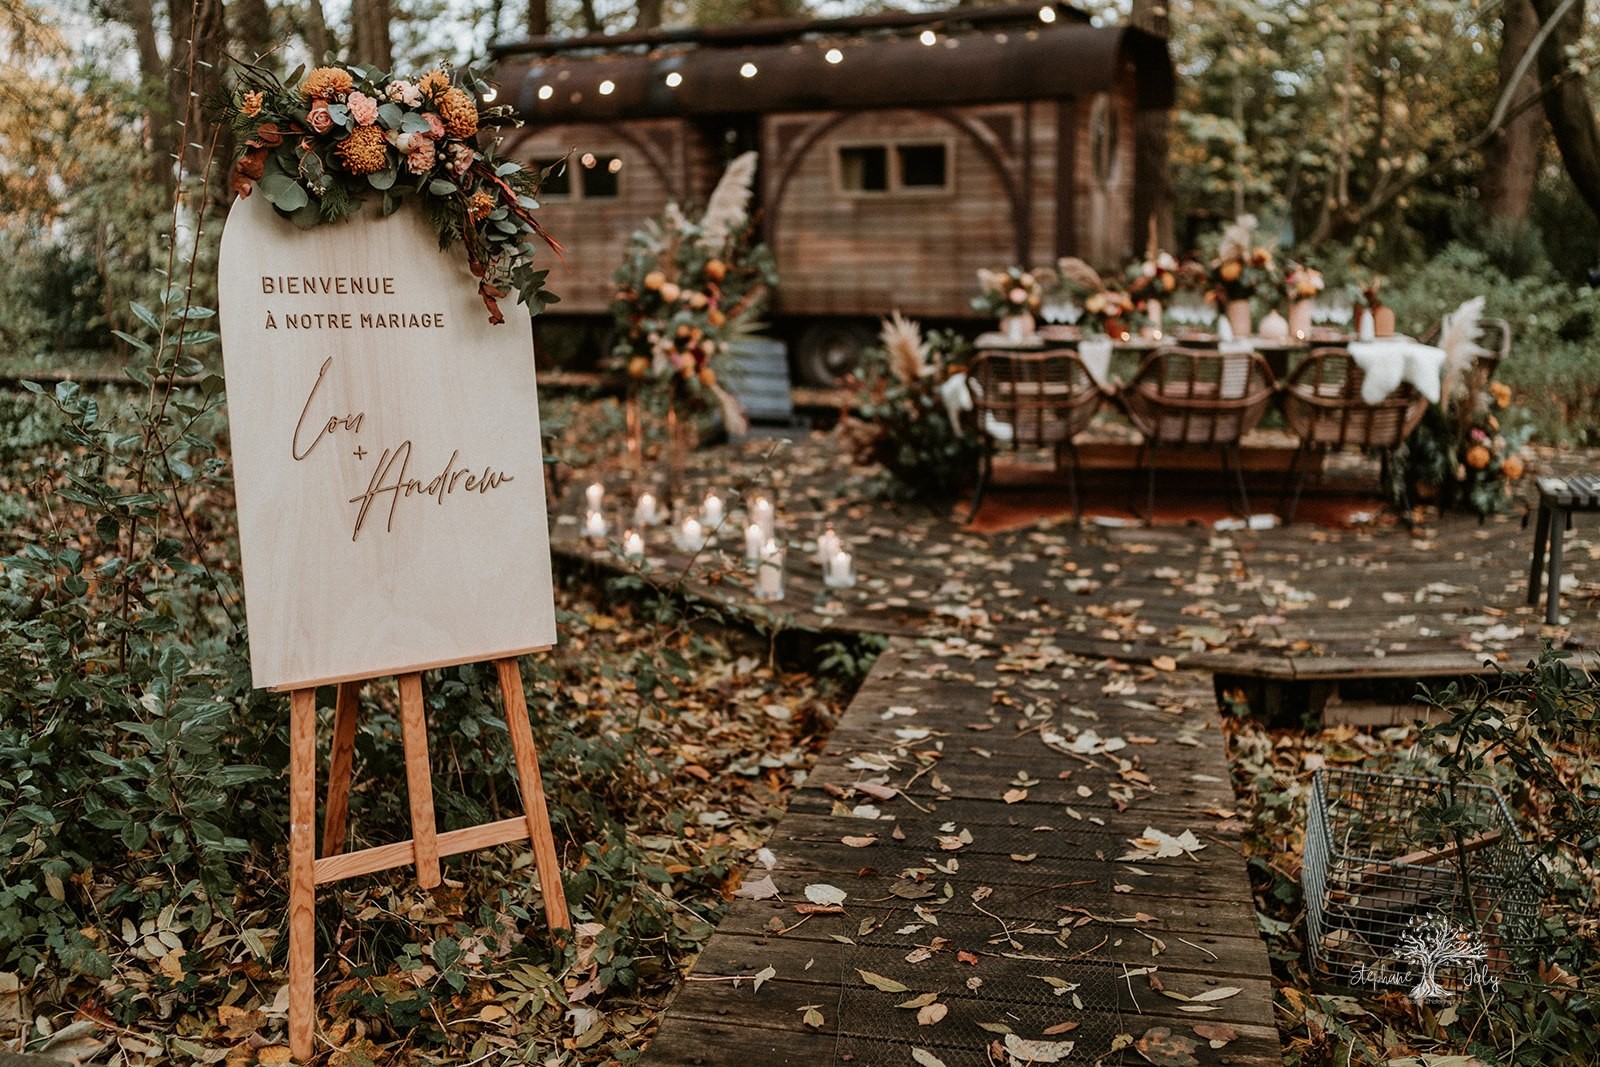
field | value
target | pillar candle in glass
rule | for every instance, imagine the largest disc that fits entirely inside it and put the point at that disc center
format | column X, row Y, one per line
column 769, row 572
column 644, row 511
column 595, row 496
column 764, row 515
column 827, row 545
column 755, row 539
column 711, row 510
column 594, row 525
column 691, row 535
column 633, row 546
column 840, row 571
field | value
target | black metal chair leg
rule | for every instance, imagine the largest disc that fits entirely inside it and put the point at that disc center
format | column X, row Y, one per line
column 1297, row 478
column 1150, row 492
column 1238, row 470
column 985, row 466
column 1072, row 483
column 1541, row 537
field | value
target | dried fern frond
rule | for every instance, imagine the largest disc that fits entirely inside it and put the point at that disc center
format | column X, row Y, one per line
column 907, row 351
column 1236, row 239
column 730, row 201
column 1079, row 275
column 1458, row 336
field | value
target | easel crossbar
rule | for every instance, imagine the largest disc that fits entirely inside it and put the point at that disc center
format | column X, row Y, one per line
column 401, row 853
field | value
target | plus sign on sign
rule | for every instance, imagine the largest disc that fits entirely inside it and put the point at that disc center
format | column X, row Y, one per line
column 385, row 441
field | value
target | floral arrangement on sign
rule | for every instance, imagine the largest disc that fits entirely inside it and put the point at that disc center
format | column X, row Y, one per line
column 1467, row 449
column 906, row 418
column 318, row 146
column 686, row 289
column 1243, row 268
column 1013, row 291
column 1106, row 308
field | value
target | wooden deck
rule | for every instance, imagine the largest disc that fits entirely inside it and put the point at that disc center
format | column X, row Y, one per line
column 1048, row 698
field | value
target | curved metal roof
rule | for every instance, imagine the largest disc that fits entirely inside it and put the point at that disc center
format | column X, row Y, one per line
column 989, row 66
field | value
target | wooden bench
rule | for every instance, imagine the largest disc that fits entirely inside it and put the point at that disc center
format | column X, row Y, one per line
column 1558, row 499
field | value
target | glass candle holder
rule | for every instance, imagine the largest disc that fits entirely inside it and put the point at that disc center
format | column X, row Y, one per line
column 595, row 526
column 827, row 546
column 595, row 496
column 711, row 511
column 765, row 515
column 690, row 535
column 755, row 542
column 840, row 571
column 769, row 573
column 633, row 547
column 646, row 512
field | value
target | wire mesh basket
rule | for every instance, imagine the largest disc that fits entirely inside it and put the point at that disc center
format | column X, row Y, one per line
column 1414, row 885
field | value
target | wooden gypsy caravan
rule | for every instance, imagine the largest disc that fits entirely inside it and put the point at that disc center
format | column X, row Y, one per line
column 899, row 152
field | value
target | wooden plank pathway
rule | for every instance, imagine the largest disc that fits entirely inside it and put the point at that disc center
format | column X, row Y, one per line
column 1047, row 700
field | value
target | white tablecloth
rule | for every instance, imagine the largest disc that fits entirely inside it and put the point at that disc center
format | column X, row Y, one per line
column 1389, row 362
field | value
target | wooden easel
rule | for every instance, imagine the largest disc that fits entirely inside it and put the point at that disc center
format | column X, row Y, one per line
column 306, row 871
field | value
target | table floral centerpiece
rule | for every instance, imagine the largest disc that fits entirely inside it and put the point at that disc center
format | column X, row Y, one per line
column 1152, row 282
column 322, row 144
column 1241, row 271
column 686, row 289
column 1012, row 296
column 1301, row 284
column 1107, row 309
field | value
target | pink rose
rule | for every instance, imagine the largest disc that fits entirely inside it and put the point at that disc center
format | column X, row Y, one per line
column 421, row 158
column 435, row 125
column 363, row 109
column 460, row 157
column 319, row 120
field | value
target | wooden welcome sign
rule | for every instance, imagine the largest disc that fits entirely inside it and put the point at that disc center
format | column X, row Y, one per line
column 386, row 450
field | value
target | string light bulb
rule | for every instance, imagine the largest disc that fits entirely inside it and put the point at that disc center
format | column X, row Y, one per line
column 928, row 37
column 1047, row 13
column 834, row 56
column 674, row 79
column 546, row 92
column 608, row 87
column 748, row 70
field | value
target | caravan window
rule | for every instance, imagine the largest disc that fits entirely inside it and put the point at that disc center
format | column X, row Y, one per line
column 864, row 169
column 900, row 167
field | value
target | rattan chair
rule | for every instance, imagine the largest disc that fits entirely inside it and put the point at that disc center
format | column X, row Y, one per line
column 1189, row 398
column 1323, row 406
column 1494, row 337
column 1029, row 401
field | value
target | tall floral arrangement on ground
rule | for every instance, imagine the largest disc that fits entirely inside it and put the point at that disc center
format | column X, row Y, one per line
column 1243, row 267
column 1467, row 449
column 686, row 289
column 321, row 145
column 906, row 418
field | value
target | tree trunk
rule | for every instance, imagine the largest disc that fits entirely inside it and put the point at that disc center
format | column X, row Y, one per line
column 318, row 42
column 1511, row 159
column 649, row 16
column 199, row 41
column 538, row 18
column 1152, row 190
column 153, row 73
column 252, row 27
column 1567, row 105
column 370, row 42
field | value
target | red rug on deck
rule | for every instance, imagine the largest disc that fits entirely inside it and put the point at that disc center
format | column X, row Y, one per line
column 1007, row 508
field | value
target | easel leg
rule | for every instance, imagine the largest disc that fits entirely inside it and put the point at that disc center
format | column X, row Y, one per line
column 544, row 843
column 337, row 811
column 419, row 784
column 302, row 873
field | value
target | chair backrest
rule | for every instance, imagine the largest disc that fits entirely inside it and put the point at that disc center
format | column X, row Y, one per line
column 1186, row 396
column 1494, row 337
column 1032, row 399
column 1322, row 404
